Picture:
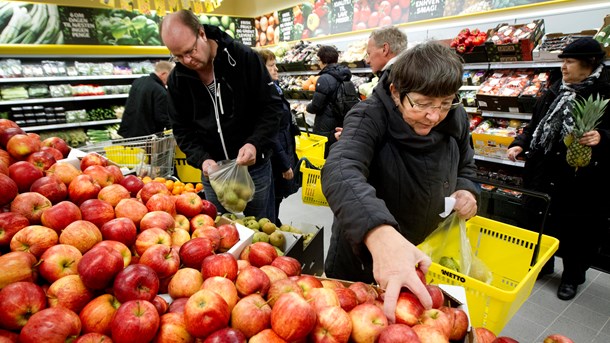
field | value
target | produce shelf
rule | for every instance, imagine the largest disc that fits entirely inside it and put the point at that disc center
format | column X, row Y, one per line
column 500, row 114
column 70, row 125
column 499, row 160
column 71, row 78
column 63, row 99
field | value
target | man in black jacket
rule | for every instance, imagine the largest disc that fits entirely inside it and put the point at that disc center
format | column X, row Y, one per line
column 223, row 105
column 146, row 107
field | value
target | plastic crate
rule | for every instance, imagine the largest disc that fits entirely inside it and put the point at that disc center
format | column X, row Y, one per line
column 508, row 251
column 310, row 145
column 312, row 185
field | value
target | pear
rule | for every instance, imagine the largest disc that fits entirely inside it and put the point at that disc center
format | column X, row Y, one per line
column 277, row 239
column 260, row 237
column 269, row 228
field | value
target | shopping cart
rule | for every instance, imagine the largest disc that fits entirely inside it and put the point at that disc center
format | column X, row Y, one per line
column 515, row 257
column 151, row 155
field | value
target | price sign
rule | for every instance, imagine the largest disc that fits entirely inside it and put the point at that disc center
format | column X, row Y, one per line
column 341, row 16
column 77, row 25
column 426, row 9
column 246, row 32
column 286, row 24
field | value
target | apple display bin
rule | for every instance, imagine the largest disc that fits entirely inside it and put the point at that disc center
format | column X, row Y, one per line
column 311, row 187
column 508, row 251
column 151, row 155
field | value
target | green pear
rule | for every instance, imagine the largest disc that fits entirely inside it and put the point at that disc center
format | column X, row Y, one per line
column 260, row 237
column 277, row 239
column 269, row 228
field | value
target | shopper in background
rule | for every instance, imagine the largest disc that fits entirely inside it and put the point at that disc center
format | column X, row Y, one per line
column 284, row 159
column 223, row 105
column 146, row 107
column 576, row 216
column 331, row 75
column 403, row 150
column 383, row 46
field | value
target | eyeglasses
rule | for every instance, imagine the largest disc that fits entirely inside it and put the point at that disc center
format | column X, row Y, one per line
column 429, row 107
column 189, row 54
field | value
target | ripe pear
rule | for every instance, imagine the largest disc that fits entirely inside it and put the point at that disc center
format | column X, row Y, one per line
column 269, row 228
column 262, row 221
column 285, row 227
column 277, row 239
column 260, row 237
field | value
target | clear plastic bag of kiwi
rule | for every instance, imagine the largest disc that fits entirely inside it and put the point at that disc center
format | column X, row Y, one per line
column 233, row 185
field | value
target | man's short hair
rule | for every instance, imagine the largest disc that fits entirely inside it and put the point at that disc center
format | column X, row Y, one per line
column 396, row 39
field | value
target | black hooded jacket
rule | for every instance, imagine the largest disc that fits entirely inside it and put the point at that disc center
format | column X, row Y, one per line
column 247, row 102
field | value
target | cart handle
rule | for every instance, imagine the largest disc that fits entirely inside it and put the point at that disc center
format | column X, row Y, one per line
column 535, row 194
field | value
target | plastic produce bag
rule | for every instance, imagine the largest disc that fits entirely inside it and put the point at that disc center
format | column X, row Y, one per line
column 233, row 185
column 449, row 246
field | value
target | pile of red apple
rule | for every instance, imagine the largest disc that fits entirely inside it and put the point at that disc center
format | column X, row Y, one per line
column 88, row 255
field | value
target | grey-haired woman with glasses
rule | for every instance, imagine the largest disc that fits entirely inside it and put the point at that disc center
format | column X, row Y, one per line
column 402, row 151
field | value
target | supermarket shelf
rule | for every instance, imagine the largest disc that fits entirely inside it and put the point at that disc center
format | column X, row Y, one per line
column 499, row 160
column 525, row 64
column 62, row 99
column 70, row 125
column 71, row 78
column 470, row 88
column 315, row 72
column 471, row 66
column 469, row 109
column 508, row 115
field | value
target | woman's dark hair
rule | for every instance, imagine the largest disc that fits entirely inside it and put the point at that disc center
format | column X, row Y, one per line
column 429, row 68
column 328, row 54
column 186, row 17
column 590, row 62
column 266, row 54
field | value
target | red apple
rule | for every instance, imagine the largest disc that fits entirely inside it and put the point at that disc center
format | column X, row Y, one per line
column 280, row 287
column 7, row 132
column 347, row 298
column 224, row 287
column 41, row 160
column 437, row 318
column 274, row 273
column 136, row 282
column 398, row 333
column 58, row 261
column 19, row 301
column 332, row 284
column 438, row 298
column 132, row 209
column 93, row 337
column 322, row 297
column 60, row 215
column 93, row 159
column 177, row 306
column 290, row 265
column 5, row 123
column 97, row 211
column 164, row 260
column 17, row 266
column 252, row 280
column 120, row 247
column 57, row 155
column 160, row 304
column 64, row 171
column 10, row 224
column 251, row 315
column 172, row 328
column 182, row 222
column 3, row 168
column 229, row 236
column 365, row 293
column 194, row 251
column 157, row 219
column 81, row 234
column 5, row 158
column 226, row 335
column 261, row 253
column 209, row 208
column 557, row 338
column 201, row 220
column 20, row 146
column 8, row 189
column 135, row 321
column 188, row 204
column 162, row 202
column 97, row 314
column 460, row 322
column 55, row 324
column 429, row 334
column 100, row 175
column 408, row 308
column 209, row 232
column 185, row 282
column 151, row 237
column 152, row 188
column 133, row 184
column 34, row 239
column 308, row 282
column 205, row 312
column 82, row 188
column 24, row 174
column 368, row 321
column 179, row 237
column 333, row 324
column 484, row 335
column 504, row 339
column 116, row 173
column 69, row 292
column 30, row 205
column 57, row 143
column 51, row 187
column 120, row 229
column 99, row 266
column 114, row 193
column 223, row 264
column 266, row 336
column 292, row 317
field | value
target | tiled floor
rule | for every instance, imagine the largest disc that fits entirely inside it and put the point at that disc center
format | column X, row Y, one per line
column 585, row 319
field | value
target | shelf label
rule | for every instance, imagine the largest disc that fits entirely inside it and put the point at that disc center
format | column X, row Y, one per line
column 342, row 14
column 78, row 26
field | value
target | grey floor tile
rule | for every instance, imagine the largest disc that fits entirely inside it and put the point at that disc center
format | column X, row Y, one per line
column 522, row 329
column 569, row 328
column 547, row 297
column 595, row 303
column 601, row 338
column 585, row 316
column 537, row 314
column 606, row 329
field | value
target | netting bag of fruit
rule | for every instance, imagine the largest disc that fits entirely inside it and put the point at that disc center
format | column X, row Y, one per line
column 449, row 246
column 233, row 185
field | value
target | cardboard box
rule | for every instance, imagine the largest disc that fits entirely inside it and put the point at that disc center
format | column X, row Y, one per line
column 498, row 103
column 606, row 23
column 312, row 255
column 477, row 55
column 540, row 54
column 521, row 51
column 491, row 145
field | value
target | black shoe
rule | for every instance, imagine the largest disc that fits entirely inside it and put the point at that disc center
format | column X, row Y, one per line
column 567, row 291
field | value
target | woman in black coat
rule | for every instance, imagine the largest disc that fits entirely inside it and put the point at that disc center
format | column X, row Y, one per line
column 578, row 213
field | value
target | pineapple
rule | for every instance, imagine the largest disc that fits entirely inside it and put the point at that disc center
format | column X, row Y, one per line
column 587, row 115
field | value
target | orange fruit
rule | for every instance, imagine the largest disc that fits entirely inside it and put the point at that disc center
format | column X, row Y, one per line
column 169, row 184
column 199, row 186
column 146, row 179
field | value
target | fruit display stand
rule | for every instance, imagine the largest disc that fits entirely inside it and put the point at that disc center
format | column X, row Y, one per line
column 310, row 255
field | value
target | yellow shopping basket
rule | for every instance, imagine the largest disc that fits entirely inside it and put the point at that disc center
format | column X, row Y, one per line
column 310, row 145
column 312, row 185
column 125, row 156
column 515, row 257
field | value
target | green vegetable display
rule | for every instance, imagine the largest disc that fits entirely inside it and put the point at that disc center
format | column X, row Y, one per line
column 22, row 23
column 119, row 27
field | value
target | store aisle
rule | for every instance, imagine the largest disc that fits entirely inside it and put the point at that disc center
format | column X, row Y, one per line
column 585, row 318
